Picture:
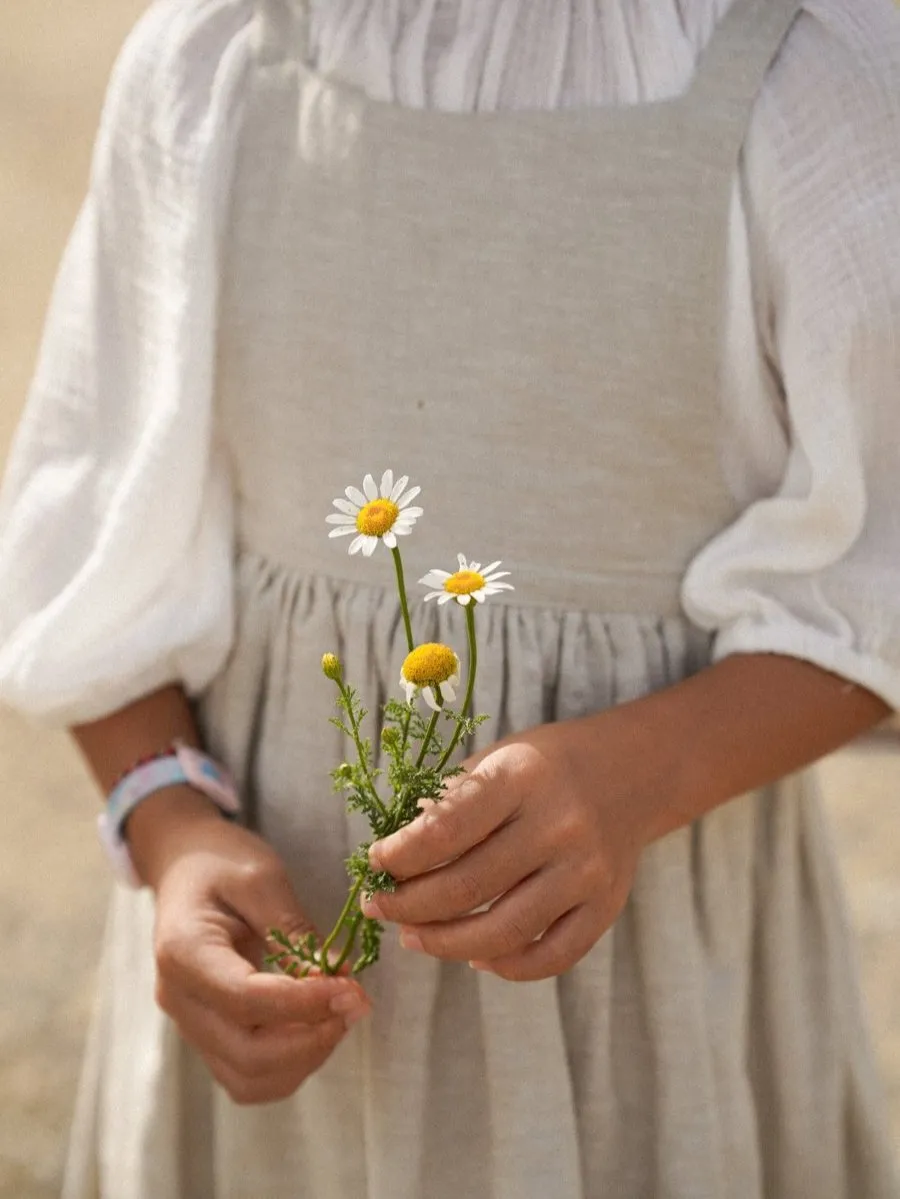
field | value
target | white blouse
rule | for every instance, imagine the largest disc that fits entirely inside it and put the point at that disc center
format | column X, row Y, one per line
column 115, row 516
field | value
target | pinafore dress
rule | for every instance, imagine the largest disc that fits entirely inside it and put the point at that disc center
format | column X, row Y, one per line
column 522, row 311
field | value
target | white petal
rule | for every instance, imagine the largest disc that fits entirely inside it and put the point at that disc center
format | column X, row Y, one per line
column 462, row 562
column 464, row 599
column 446, row 597
column 429, row 697
column 432, row 579
column 401, row 530
column 398, row 487
column 357, row 544
column 475, row 566
column 336, row 518
column 369, row 488
column 355, row 496
column 409, row 688
column 346, row 507
column 342, row 532
column 500, row 574
column 448, row 691
column 387, row 484
column 408, row 498
column 389, row 540
column 441, row 575
column 496, row 588
column 410, row 513
column 478, row 595
column 432, row 594
column 370, row 544
column 493, row 566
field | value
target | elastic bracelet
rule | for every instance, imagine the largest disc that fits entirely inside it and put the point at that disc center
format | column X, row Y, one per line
column 181, row 765
column 160, row 753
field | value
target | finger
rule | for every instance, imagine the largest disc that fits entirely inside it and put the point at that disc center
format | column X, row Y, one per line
column 260, row 1052
column 276, row 1085
column 212, row 972
column 474, row 806
column 513, row 922
column 492, row 868
column 558, row 950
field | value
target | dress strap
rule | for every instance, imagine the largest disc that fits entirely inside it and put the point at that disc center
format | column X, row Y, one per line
column 283, row 30
column 741, row 50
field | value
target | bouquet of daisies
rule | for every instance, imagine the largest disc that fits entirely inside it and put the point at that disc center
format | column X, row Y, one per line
column 418, row 744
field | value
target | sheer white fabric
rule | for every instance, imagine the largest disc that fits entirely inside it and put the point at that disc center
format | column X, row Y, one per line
column 115, row 518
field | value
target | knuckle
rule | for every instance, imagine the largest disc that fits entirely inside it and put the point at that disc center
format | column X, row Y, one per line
column 465, row 892
column 511, row 935
column 167, row 951
column 445, row 827
column 571, row 827
column 256, row 873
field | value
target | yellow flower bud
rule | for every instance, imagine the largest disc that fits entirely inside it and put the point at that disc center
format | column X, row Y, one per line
column 331, row 667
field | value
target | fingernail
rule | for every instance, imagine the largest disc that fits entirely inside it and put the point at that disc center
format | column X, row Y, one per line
column 375, row 857
column 349, row 1005
column 372, row 910
column 481, row 966
column 411, row 941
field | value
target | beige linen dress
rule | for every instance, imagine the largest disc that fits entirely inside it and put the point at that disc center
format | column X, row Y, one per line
column 521, row 311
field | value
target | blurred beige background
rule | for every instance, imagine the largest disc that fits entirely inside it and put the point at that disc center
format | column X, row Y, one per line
column 54, row 59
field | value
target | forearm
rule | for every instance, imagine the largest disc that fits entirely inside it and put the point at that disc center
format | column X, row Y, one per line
column 741, row 723
column 113, row 744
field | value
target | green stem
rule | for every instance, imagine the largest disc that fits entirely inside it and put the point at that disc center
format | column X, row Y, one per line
column 325, row 965
column 357, row 741
column 404, row 606
column 470, row 685
column 407, row 722
column 428, row 732
column 350, row 942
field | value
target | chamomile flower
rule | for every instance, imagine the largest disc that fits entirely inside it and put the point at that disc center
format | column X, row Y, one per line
column 375, row 514
column 429, row 666
column 468, row 583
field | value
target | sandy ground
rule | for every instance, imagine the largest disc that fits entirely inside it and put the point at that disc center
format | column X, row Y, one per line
column 54, row 58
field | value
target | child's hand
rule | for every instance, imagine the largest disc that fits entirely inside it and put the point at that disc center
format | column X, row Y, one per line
column 531, row 829
column 219, row 889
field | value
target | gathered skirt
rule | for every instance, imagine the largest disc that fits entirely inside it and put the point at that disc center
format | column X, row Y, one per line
column 710, row 1046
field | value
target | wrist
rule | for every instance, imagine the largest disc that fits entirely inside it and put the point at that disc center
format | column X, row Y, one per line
column 627, row 756
column 164, row 824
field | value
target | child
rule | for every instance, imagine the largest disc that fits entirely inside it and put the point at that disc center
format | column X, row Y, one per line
column 300, row 261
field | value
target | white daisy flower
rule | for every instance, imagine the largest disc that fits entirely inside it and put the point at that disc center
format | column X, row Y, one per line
column 429, row 666
column 468, row 583
column 375, row 515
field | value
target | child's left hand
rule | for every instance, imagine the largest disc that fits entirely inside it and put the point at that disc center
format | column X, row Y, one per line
column 538, row 831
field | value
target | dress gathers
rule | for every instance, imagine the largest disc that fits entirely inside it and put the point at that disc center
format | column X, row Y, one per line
column 618, row 284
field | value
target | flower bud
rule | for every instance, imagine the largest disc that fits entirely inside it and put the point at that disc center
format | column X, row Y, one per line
column 331, row 667
column 390, row 738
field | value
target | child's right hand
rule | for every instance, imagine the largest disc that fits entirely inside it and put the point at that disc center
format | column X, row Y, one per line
column 219, row 889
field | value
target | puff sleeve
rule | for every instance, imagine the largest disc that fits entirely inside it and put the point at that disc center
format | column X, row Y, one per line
column 812, row 567
column 115, row 514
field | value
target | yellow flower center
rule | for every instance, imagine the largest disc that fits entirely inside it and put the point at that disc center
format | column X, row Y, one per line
column 377, row 517
column 430, row 665
column 464, row 582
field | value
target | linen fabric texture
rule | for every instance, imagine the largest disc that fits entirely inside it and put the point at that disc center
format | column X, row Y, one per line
column 118, row 449
column 370, row 299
